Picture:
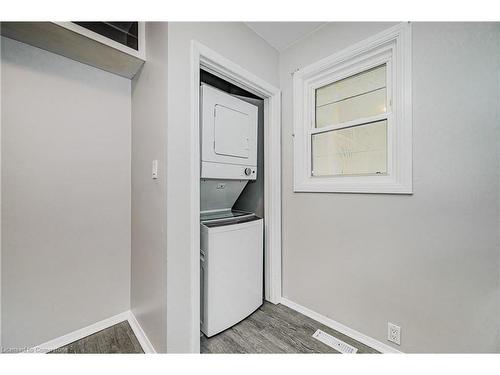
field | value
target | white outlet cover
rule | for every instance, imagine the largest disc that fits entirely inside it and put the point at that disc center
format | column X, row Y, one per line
column 394, row 333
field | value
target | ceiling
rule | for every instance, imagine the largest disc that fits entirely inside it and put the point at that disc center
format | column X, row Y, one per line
column 282, row 35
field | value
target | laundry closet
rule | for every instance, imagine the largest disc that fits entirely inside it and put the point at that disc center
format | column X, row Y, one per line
column 231, row 204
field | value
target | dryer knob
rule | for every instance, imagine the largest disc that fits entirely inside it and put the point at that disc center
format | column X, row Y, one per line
column 248, row 171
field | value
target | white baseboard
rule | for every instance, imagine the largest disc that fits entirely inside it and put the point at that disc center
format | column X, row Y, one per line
column 140, row 334
column 367, row 340
column 93, row 328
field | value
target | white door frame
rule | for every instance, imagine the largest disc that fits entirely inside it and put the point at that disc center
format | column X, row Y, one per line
column 202, row 56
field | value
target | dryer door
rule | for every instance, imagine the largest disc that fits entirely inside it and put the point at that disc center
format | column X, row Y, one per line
column 231, row 132
column 228, row 134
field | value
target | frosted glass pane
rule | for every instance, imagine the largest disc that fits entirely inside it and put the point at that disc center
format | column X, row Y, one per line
column 359, row 96
column 360, row 83
column 352, row 151
column 370, row 104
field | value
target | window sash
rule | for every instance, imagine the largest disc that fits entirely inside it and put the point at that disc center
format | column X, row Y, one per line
column 316, row 175
column 340, row 76
column 387, row 116
column 350, row 124
column 349, row 94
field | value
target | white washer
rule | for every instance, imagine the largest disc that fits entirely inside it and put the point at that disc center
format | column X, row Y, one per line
column 231, row 272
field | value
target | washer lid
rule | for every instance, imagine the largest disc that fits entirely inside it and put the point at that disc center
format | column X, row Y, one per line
column 231, row 221
column 222, row 214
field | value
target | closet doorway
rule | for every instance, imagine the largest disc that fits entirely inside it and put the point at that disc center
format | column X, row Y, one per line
column 206, row 59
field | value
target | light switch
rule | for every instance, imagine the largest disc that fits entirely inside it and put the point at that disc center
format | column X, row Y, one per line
column 154, row 173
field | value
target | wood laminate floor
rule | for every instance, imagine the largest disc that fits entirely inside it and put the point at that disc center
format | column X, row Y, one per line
column 270, row 329
column 116, row 339
column 275, row 329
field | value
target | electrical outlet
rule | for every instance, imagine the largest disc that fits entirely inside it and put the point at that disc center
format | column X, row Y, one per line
column 394, row 333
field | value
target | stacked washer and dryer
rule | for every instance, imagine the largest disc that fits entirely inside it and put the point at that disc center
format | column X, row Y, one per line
column 231, row 246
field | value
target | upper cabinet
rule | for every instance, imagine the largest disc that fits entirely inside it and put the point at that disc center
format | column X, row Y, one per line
column 125, row 33
column 117, row 47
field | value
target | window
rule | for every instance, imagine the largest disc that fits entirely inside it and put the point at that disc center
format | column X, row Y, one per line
column 352, row 118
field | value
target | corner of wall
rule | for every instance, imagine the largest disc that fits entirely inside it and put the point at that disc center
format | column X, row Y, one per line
column 148, row 196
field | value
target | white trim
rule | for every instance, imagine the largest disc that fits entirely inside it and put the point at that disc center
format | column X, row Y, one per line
column 348, row 124
column 0, row 198
column 393, row 47
column 94, row 328
column 140, row 53
column 362, row 338
column 195, row 199
column 202, row 56
column 78, row 334
column 140, row 334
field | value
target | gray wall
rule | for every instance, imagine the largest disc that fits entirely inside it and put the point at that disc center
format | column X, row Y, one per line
column 428, row 262
column 238, row 43
column 66, row 195
column 149, row 141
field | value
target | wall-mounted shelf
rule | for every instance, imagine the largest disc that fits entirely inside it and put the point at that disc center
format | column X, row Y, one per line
column 81, row 44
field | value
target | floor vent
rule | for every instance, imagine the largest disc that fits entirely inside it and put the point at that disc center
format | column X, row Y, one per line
column 334, row 342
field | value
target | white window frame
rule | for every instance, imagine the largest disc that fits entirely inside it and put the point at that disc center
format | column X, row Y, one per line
column 391, row 47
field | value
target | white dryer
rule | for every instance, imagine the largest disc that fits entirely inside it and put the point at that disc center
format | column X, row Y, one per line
column 231, row 269
column 228, row 136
